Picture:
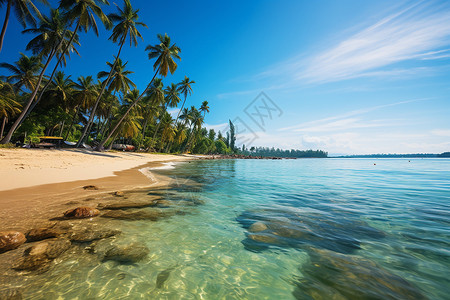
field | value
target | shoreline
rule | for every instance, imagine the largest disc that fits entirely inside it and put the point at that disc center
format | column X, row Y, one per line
column 22, row 168
column 26, row 207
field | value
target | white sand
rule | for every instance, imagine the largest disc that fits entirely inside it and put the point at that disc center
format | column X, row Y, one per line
column 30, row 167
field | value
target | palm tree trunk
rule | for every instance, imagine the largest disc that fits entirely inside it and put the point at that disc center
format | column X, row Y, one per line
column 97, row 101
column 73, row 120
column 5, row 119
column 100, row 146
column 5, row 24
column 182, row 106
column 62, row 127
column 159, row 123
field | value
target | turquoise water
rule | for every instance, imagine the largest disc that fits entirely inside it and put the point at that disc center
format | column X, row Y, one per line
column 325, row 229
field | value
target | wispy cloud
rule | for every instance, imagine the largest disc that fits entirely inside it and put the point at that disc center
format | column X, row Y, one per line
column 419, row 32
column 416, row 32
column 345, row 118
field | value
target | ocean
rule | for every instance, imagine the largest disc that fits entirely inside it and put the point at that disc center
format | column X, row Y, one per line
column 278, row 229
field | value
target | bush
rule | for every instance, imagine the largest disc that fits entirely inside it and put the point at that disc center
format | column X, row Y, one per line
column 7, row 146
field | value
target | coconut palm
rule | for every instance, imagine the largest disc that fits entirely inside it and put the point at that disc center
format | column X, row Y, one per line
column 126, row 22
column 204, row 108
column 171, row 99
column 184, row 87
column 24, row 72
column 83, row 95
column 165, row 53
column 153, row 100
column 119, row 78
column 23, row 10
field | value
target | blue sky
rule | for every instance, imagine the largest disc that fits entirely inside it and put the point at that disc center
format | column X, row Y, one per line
column 348, row 77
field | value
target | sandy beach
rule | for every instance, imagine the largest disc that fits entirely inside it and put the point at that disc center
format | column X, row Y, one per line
column 20, row 168
column 37, row 185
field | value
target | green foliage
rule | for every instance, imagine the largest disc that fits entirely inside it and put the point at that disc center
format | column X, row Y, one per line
column 7, row 146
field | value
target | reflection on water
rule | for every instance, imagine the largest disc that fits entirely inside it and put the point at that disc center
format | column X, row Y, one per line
column 240, row 229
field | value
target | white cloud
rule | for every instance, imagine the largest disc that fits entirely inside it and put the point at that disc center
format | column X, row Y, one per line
column 441, row 132
column 415, row 32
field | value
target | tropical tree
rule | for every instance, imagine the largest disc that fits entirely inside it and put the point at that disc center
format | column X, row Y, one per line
column 119, row 78
column 83, row 95
column 184, row 87
column 23, row 10
column 165, row 53
column 8, row 104
column 126, row 22
column 24, row 72
column 171, row 99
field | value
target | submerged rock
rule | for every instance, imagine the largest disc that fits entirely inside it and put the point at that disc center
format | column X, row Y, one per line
column 10, row 240
column 128, row 205
column 41, row 254
column 130, row 253
column 257, row 227
column 91, row 233
column 82, row 212
column 136, row 215
column 294, row 228
column 331, row 275
column 43, row 233
column 11, row 294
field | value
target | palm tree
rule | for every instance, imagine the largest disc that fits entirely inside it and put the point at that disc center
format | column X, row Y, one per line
column 184, row 87
column 126, row 22
column 52, row 34
column 23, row 13
column 172, row 99
column 119, row 78
column 154, row 99
column 24, row 71
column 204, row 108
column 83, row 96
column 165, row 53
column 8, row 104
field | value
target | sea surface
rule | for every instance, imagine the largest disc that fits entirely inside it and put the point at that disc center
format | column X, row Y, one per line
column 280, row 229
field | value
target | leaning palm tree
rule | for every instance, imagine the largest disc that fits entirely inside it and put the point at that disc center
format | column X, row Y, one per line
column 126, row 22
column 24, row 72
column 165, row 53
column 23, row 10
column 153, row 100
column 184, row 87
column 52, row 33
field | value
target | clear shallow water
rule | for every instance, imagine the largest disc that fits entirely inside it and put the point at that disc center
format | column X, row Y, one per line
column 342, row 228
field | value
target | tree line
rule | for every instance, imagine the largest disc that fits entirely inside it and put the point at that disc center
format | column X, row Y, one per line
column 100, row 109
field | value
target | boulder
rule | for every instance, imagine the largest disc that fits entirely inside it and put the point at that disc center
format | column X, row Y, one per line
column 89, row 234
column 135, row 215
column 90, row 187
column 41, row 254
column 128, row 204
column 10, row 240
column 257, row 227
column 82, row 212
column 131, row 253
column 39, row 234
column 119, row 194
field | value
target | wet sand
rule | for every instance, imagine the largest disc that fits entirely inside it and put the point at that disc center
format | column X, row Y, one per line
column 24, row 208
